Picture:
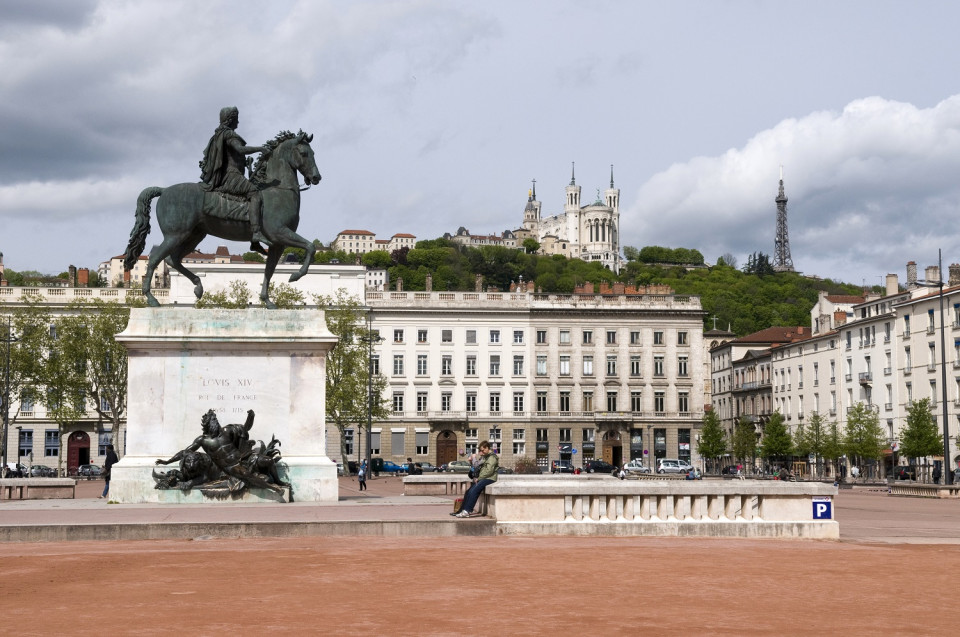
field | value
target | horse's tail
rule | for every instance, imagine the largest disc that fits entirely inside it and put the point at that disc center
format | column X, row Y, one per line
column 141, row 227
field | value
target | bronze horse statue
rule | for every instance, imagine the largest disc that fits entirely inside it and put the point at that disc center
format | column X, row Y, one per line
column 187, row 213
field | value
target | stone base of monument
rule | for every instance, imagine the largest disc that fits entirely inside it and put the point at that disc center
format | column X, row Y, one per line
column 186, row 361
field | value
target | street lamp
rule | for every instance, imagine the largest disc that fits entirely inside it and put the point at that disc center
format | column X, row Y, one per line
column 947, row 474
column 369, row 339
column 8, row 339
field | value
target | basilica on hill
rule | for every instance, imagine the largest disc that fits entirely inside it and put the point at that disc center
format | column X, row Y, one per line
column 589, row 232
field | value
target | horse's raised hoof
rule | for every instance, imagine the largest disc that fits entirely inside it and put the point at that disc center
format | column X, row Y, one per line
column 198, row 290
column 296, row 276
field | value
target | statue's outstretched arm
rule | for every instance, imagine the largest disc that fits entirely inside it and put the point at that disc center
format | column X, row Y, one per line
column 180, row 454
column 246, row 150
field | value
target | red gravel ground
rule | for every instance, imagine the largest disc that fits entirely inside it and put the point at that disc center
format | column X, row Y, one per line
column 489, row 586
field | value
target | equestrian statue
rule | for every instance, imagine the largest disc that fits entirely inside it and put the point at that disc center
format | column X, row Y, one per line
column 263, row 210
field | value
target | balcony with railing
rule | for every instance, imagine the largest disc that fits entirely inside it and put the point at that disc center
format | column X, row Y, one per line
column 866, row 378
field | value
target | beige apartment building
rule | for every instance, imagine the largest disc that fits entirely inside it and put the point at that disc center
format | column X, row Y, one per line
column 615, row 374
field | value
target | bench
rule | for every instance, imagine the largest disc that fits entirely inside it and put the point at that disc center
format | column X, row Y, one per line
column 37, row 488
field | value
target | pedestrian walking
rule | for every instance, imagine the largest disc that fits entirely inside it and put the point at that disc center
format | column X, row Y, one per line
column 362, row 475
column 112, row 459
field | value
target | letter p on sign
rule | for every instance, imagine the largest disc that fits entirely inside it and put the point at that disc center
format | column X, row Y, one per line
column 822, row 509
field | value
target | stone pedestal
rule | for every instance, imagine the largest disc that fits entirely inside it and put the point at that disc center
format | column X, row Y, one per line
column 184, row 361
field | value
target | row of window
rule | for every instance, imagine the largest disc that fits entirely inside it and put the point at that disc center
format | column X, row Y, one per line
column 51, row 443
column 27, row 406
column 563, row 403
column 470, row 365
column 518, row 442
column 495, row 338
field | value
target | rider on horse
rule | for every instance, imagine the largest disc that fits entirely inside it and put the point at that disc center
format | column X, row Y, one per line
column 222, row 169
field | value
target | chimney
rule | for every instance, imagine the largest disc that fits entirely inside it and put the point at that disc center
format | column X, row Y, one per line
column 839, row 318
column 931, row 273
column 72, row 275
column 954, row 274
column 911, row 273
column 893, row 284
column 83, row 277
column 429, row 282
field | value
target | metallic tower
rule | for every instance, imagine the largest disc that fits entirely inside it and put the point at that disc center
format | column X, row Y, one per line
column 782, row 262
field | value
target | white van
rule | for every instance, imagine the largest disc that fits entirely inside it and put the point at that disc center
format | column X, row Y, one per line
column 672, row 465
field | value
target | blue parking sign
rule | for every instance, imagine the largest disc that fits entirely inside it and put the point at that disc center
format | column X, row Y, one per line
column 822, row 509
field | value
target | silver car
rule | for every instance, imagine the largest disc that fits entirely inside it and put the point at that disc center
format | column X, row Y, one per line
column 671, row 465
column 636, row 466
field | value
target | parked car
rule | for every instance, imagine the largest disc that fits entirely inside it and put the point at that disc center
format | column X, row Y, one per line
column 389, row 466
column 504, row 470
column 41, row 471
column 636, row 466
column 729, row 470
column 458, row 466
column 426, row 467
column 598, row 466
column 561, row 466
column 671, row 465
column 88, row 471
column 905, row 472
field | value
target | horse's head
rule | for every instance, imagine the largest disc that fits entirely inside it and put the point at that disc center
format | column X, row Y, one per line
column 307, row 162
column 288, row 155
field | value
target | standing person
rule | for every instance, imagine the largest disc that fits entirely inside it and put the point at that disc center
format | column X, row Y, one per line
column 362, row 475
column 936, row 473
column 487, row 474
column 112, row 459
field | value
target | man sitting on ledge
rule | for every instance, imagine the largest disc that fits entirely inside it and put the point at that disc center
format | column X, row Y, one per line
column 486, row 475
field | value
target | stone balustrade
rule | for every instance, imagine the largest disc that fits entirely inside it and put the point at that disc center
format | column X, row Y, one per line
column 436, row 484
column 595, row 505
column 915, row 490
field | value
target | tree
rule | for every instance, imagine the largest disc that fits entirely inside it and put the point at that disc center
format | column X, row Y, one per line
column 377, row 259
column 776, row 439
column 237, row 297
column 865, row 439
column 630, row 253
column 833, row 444
column 920, row 437
column 253, row 257
column 531, row 245
column 86, row 341
column 812, row 439
column 63, row 381
column 744, row 440
column 713, row 441
column 348, row 368
column 727, row 259
column 30, row 325
column 285, row 296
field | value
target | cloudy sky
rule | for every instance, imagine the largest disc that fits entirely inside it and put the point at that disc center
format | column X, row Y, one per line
column 434, row 114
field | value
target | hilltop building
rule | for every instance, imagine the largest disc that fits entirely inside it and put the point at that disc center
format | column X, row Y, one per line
column 363, row 241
